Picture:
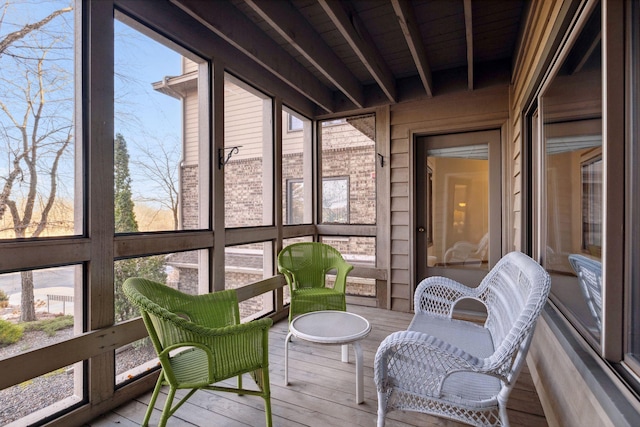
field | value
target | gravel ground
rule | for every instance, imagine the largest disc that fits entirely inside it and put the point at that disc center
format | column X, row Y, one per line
column 23, row 399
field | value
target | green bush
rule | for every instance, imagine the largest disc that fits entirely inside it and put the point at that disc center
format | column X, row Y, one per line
column 50, row 326
column 9, row 333
column 4, row 299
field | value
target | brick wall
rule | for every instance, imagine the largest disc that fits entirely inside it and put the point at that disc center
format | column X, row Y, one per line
column 189, row 198
column 243, row 193
column 243, row 207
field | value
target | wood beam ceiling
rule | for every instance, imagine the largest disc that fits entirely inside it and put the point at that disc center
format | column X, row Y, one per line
column 468, row 25
column 293, row 27
column 318, row 57
column 234, row 27
column 408, row 23
column 354, row 32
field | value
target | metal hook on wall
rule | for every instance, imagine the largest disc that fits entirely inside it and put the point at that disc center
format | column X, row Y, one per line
column 381, row 157
column 221, row 156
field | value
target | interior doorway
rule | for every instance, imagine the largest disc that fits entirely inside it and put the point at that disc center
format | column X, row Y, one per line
column 458, row 231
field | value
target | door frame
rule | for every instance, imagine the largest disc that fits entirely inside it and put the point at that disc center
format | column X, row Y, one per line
column 497, row 213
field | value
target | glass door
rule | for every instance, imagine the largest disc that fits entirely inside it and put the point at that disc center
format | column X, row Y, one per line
column 458, row 209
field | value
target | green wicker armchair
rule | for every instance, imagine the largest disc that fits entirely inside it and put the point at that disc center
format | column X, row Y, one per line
column 304, row 266
column 215, row 346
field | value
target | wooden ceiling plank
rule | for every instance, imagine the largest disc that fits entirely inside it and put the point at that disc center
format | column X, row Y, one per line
column 295, row 29
column 356, row 35
column 468, row 24
column 227, row 22
column 409, row 25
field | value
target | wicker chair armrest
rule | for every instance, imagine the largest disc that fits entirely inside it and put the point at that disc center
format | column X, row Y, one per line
column 438, row 295
column 343, row 269
column 420, row 363
column 288, row 275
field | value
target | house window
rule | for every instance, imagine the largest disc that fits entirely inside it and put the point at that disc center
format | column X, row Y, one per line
column 297, row 169
column 348, row 151
column 295, row 201
column 335, row 200
column 572, row 180
column 632, row 315
column 592, row 206
column 334, row 122
column 294, row 124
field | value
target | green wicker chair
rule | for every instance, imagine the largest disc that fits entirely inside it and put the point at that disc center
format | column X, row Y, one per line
column 200, row 341
column 304, row 266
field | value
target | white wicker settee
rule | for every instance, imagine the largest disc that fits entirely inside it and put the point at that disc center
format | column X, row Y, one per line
column 458, row 369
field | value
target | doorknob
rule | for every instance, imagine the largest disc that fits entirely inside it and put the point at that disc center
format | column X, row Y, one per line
column 420, row 229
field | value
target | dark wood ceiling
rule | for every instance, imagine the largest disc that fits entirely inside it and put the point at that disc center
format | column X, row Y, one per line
column 361, row 53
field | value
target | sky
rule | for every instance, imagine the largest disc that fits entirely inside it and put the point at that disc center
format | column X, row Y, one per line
column 146, row 118
column 139, row 62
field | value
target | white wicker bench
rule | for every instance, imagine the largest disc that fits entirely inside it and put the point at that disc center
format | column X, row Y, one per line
column 459, row 369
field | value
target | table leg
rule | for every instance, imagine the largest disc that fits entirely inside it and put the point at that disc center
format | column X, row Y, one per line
column 359, row 373
column 345, row 353
column 286, row 358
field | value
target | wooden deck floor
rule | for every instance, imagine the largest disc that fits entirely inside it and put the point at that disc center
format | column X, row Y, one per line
column 321, row 390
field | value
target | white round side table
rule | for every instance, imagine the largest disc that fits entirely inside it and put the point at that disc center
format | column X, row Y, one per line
column 331, row 327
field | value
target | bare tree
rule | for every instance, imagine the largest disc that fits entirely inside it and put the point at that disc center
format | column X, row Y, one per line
column 36, row 103
column 15, row 36
column 161, row 170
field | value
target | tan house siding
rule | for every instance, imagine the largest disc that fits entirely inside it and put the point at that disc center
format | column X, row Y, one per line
column 485, row 108
column 188, row 65
column 242, row 127
column 190, row 108
column 291, row 140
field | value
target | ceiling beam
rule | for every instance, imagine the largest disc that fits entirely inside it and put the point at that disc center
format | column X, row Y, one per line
column 595, row 42
column 468, row 25
column 295, row 29
column 236, row 29
column 354, row 32
column 409, row 25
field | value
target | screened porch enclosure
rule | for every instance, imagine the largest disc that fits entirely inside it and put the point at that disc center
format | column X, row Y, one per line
column 190, row 141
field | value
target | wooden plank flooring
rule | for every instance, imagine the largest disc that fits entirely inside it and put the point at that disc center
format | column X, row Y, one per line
column 321, row 391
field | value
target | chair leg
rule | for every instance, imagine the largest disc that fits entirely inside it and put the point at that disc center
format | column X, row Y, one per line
column 382, row 409
column 503, row 397
column 504, row 418
column 152, row 402
column 166, row 412
column 266, row 394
